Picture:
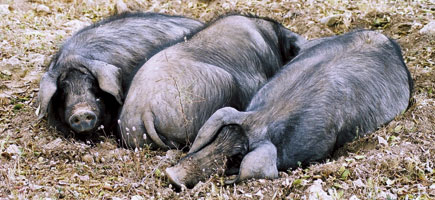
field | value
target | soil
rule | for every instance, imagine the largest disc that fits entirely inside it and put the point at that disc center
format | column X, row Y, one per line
column 36, row 162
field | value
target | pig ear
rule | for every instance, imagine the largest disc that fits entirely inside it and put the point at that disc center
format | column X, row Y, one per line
column 108, row 76
column 259, row 163
column 47, row 88
column 221, row 117
column 291, row 44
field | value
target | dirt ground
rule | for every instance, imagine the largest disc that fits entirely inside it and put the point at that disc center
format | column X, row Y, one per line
column 36, row 162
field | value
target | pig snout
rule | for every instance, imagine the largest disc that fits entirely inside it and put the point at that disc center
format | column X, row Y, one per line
column 175, row 177
column 83, row 120
column 191, row 170
column 229, row 145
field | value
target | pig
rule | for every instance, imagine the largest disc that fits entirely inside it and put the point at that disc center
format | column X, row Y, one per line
column 223, row 64
column 335, row 90
column 86, row 81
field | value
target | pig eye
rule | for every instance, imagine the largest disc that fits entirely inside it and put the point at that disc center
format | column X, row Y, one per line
column 98, row 96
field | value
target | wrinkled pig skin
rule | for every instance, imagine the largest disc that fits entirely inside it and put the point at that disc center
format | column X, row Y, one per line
column 84, row 86
column 224, row 64
column 335, row 90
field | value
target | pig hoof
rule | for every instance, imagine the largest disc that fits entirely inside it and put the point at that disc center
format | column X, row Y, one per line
column 232, row 181
column 173, row 179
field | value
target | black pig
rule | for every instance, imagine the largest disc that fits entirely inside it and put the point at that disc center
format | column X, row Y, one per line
column 335, row 90
column 86, row 80
column 222, row 65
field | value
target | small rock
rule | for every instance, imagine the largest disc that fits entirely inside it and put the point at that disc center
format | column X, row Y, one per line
column 417, row 25
column 75, row 25
column 386, row 195
column 6, row 72
column 108, row 187
column 137, row 197
column 35, row 187
column 382, row 141
column 88, row 158
column 13, row 61
column 359, row 183
column 13, row 149
column 42, row 9
column 316, row 191
column 53, row 144
column 63, row 183
column 83, row 178
column 260, row 194
column 32, row 76
column 89, row 3
column 40, row 159
column 330, row 20
column 286, row 182
column 36, row 59
column 353, row 197
column 428, row 29
column 120, row 6
column 20, row 5
column 4, row 9
column 4, row 99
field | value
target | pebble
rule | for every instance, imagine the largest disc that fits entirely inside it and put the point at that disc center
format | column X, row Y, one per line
column 330, row 20
column 137, row 197
column 88, row 158
column 428, row 29
column 75, row 25
column 316, row 191
column 13, row 149
column 4, row 9
column 42, row 8
column 120, row 6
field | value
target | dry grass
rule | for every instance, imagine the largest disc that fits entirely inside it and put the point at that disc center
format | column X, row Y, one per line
column 395, row 162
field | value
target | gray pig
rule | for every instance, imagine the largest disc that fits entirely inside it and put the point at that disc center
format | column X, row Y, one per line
column 335, row 90
column 86, row 80
column 224, row 64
